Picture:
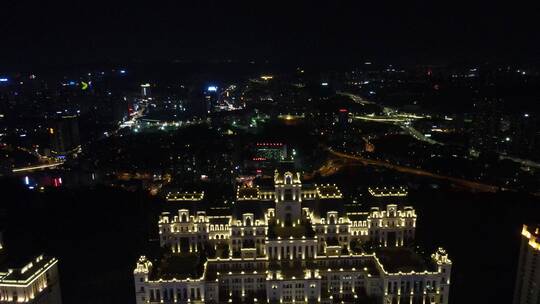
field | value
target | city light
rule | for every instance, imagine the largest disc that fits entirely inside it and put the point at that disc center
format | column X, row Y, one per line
column 214, row 171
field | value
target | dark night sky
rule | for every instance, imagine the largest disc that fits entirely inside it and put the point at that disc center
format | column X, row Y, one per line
column 57, row 32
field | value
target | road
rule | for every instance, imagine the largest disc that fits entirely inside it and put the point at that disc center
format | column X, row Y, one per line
column 391, row 116
column 32, row 168
column 418, row 135
column 332, row 167
column 356, row 98
column 524, row 162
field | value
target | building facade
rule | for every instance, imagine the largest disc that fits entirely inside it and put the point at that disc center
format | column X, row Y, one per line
column 527, row 288
column 36, row 282
column 64, row 136
column 291, row 244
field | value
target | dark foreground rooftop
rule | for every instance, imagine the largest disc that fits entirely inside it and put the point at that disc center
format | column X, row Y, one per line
column 179, row 266
column 396, row 259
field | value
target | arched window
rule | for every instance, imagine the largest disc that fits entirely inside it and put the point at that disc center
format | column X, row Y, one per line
column 288, row 180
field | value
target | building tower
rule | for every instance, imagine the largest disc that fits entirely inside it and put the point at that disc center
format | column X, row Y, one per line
column 527, row 288
column 487, row 125
column 145, row 90
column 210, row 98
column 288, row 198
column 64, row 134
column 444, row 267
column 141, row 273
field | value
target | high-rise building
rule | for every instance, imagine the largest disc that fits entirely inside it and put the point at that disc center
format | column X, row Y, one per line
column 210, row 98
column 524, row 136
column 145, row 90
column 487, row 129
column 291, row 243
column 64, row 134
column 527, row 290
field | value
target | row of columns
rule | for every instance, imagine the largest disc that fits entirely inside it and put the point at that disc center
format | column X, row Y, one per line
column 290, row 251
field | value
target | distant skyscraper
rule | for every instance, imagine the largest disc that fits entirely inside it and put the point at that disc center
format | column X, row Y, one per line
column 64, row 134
column 211, row 98
column 487, row 134
column 145, row 90
column 343, row 119
column 527, row 290
column 524, row 135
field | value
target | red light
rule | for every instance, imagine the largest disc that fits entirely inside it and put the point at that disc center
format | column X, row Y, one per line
column 57, row 181
column 343, row 110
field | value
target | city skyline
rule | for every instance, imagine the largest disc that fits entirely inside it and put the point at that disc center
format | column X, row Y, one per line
column 269, row 152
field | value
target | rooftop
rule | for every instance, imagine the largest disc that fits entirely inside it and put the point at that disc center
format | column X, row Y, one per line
column 184, row 196
column 357, row 216
column 31, row 269
column 328, row 191
column 247, row 193
column 179, row 266
column 219, row 220
column 388, row 191
column 232, row 266
column 396, row 259
column 532, row 233
column 286, row 232
column 288, row 269
column 346, row 263
column 219, row 211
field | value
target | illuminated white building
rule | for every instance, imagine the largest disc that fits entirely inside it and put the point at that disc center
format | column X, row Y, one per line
column 292, row 244
column 35, row 282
